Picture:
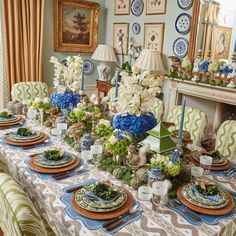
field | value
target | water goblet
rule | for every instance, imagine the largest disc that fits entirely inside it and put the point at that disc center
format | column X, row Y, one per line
column 87, row 156
column 196, row 174
column 96, row 151
column 159, row 193
column 205, row 163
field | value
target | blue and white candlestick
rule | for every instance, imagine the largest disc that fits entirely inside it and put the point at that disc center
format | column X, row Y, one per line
column 82, row 80
column 181, row 126
column 117, row 84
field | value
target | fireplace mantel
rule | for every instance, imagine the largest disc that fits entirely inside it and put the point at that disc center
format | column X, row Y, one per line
column 214, row 93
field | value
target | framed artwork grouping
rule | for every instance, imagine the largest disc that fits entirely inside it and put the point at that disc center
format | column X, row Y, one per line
column 75, row 25
column 120, row 38
column 155, row 7
column 121, row 7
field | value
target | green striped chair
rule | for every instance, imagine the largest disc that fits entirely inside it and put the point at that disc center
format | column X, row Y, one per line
column 195, row 122
column 29, row 91
column 20, row 216
column 226, row 139
column 3, row 163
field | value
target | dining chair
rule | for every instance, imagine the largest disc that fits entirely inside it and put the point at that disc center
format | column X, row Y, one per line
column 29, row 91
column 3, row 164
column 226, row 139
column 195, row 122
column 20, row 216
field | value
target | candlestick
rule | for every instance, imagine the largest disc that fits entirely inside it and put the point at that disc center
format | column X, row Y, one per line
column 181, row 126
column 82, row 80
column 235, row 46
column 117, row 85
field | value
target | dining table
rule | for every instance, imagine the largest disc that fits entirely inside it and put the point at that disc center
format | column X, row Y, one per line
column 47, row 195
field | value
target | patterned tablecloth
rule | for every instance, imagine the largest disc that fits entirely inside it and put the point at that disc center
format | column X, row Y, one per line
column 46, row 193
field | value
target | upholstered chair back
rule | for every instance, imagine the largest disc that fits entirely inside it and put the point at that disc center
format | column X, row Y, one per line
column 3, row 163
column 195, row 122
column 226, row 139
column 29, row 91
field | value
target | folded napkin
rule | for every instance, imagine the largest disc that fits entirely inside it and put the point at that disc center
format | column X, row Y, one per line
column 92, row 196
column 214, row 198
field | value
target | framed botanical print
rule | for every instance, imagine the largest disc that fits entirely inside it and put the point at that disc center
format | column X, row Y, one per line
column 75, row 25
column 121, row 7
column 120, row 38
column 221, row 42
column 155, row 7
column 153, row 36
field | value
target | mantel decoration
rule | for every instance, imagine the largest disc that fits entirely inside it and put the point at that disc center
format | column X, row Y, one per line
column 75, row 25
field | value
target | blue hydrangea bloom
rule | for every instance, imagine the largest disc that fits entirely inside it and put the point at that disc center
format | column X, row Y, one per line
column 226, row 69
column 204, row 66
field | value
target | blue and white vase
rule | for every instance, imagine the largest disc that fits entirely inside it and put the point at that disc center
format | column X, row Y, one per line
column 85, row 142
column 155, row 175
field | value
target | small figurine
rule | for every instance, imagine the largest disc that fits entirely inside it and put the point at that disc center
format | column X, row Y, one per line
column 133, row 156
column 143, row 154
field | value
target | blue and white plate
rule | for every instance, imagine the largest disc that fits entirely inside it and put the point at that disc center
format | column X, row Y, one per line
column 88, row 67
column 183, row 23
column 180, row 47
column 136, row 28
column 185, row 4
column 137, row 7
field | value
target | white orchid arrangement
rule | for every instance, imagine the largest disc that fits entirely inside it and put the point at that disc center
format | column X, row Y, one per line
column 67, row 76
column 137, row 91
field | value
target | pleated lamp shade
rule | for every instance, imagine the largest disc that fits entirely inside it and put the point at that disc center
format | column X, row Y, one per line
column 150, row 60
column 104, row 53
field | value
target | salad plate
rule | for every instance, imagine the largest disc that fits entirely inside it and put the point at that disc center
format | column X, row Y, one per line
column 12, row 119
column 19, row 138
column 17, row 121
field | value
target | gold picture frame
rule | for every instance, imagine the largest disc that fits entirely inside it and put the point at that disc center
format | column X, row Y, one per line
column 121, row 7
column 221, row 42
column 75, row 25
column 154, row 36
column 120, row 38
column 156, row 7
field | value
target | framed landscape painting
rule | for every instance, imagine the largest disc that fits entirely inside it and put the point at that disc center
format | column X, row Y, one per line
column 75, row 25
column 153, row 36
column 121, row 7
column 120, row 38
column 155, row 7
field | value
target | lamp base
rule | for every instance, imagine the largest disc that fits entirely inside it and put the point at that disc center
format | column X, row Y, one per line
column 103, row 72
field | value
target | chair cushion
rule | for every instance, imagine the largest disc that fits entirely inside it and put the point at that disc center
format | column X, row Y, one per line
column 3, row 164
column 195, row 122
column 20, row 216
column 226, row 139
column 29, row 91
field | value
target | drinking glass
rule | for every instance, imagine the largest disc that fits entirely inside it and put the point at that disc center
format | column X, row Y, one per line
column 87, row 156
column 96, row 151
column 196, row 174
column 61, row 128
column 205, row 163
column 159, row 193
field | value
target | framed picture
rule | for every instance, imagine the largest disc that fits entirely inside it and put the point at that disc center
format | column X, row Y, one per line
column 75, row 25
column 221, row 42
column 121, row 7
column 155, row 7
column 120, row 38
column 153, row 36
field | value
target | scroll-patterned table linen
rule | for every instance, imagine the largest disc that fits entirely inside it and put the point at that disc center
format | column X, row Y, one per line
column 46, row 194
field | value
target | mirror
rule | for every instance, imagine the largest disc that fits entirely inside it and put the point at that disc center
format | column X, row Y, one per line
column 212, row 33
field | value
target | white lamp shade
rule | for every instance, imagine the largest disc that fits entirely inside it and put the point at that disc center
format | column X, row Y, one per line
column 104, row 53
column 150, row 60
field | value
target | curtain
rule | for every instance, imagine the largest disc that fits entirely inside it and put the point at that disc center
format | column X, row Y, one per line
column 23, row 21
column 3, row 71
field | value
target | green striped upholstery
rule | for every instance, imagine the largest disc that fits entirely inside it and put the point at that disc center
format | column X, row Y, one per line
column 3, row 164
column 158, row 108
column 226, row 139
column 20, row 216
column 195, row 122
column 29, row 91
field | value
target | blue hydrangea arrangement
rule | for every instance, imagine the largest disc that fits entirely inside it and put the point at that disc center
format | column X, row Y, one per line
column 203, row 66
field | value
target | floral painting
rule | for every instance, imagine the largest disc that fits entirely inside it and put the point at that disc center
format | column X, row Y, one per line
column 153, row 36
column 155, row 7
column 76, row 26
column 120, row 38
column 221, row 42
column 121, row 7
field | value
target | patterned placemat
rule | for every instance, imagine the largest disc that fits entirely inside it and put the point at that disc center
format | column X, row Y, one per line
column 207, row 219
column 222, row 173
column 91, row 224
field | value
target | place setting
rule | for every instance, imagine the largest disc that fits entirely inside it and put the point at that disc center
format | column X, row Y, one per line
column 101, row 205
column 8, row 120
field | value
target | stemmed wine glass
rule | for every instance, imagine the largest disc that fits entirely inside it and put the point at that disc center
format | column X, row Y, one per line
column 196, row 174
column 87, row 156
column 96, row 151
column 205, row 163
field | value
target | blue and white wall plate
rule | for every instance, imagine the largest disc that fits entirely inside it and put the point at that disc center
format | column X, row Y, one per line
column 180, row 47
column 183, row 23
column 136, row 28
column 137, row 7
column 88, row 67
column 185, row 4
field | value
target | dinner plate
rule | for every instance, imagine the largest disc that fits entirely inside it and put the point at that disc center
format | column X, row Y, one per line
column 19, row 120
column 12, row 119
column 99, row 206
column 103, row 215
column 18, row 138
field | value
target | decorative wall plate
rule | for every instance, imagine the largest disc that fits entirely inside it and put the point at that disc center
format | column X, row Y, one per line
column 88, row 67
column 136, row 28
column 185, row 4
column 183, row 23
column 137, row 7
column 180, row 47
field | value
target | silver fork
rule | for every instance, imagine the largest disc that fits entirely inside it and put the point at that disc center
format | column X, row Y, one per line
column 176, row 204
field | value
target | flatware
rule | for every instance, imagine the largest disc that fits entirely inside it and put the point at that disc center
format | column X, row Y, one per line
column 75, row 171
column 35, row 145
column 229, row 170
column 132, row 210
column 176, row 204
column 73, row 189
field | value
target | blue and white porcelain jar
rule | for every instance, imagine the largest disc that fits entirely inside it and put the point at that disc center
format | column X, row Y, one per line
column 85, row 142
column 155, row 175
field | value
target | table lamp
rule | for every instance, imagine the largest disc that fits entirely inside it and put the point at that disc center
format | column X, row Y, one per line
column 150, row 60
column 104, row 53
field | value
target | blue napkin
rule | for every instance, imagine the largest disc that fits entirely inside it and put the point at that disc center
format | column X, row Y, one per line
column 221, row 173
column 92, row 196
column 214, row 198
